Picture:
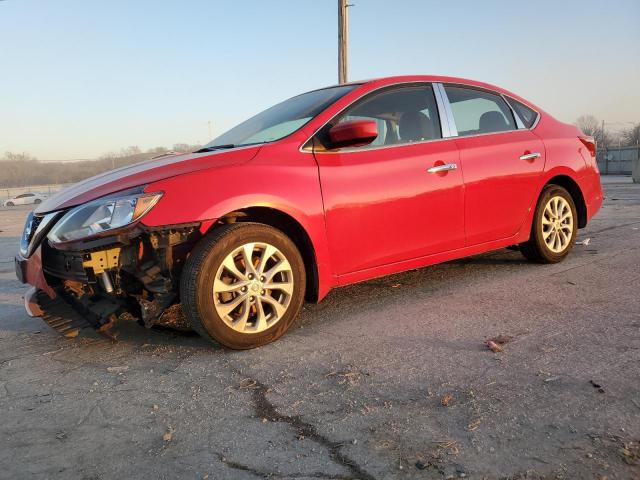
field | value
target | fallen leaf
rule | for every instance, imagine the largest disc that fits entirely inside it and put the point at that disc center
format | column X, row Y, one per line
column 446, row 400
column 493, row 346
column 168, row 436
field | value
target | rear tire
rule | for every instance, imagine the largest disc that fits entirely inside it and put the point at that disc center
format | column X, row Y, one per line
column 554, row 228
column 37, row 201
column 11, row 204
column 238, row 305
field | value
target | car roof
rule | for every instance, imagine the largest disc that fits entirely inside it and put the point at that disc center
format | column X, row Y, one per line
column 397, row 79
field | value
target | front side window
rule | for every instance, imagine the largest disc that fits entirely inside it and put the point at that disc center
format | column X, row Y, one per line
column 280, row 120
column 477, row 112
column 406, row 114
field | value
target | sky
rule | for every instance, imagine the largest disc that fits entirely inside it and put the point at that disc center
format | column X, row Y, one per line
column 80, row 78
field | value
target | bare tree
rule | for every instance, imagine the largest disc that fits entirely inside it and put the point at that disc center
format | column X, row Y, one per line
column 632, row 136
column 591, row 126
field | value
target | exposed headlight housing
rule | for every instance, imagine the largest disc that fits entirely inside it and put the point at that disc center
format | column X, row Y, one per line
column 102, row 215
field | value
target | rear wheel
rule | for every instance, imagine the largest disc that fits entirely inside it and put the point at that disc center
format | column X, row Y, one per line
column 37, row 201
column 554, row 228
column 10, row 204
column 243, row 285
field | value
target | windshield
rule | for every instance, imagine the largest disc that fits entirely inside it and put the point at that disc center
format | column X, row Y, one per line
column 280, row 120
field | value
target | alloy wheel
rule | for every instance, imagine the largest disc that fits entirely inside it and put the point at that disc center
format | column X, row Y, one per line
column 557, row 224
column 253, row 287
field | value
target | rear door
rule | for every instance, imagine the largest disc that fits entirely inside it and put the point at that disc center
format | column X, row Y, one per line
column 382, row 204
column 502, row 163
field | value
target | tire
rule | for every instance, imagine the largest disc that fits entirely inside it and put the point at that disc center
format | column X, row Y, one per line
column 541, row 246
column 10, row 204
column 206, row 282
column 37, row 201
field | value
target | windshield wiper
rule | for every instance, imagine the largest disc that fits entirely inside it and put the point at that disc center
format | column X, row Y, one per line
column 215, row 147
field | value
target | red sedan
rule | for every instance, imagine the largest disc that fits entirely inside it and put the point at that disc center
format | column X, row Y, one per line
column 329, row 188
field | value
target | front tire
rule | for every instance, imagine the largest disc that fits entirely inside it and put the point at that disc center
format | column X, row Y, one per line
column 243, row 285
column 10, row 204
column 554, row 229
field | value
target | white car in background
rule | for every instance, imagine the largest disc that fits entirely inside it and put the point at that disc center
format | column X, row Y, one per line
column 24, row 199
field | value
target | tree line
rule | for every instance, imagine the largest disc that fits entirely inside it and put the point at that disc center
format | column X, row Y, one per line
column 627, row 137
column 24, row 170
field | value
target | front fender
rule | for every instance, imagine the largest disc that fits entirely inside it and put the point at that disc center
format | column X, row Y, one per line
column 290, row 186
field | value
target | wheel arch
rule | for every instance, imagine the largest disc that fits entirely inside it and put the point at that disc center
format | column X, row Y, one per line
column 290, row 226
column 571, row 186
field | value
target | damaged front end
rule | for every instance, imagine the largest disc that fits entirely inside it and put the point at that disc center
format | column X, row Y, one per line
column 117, row 270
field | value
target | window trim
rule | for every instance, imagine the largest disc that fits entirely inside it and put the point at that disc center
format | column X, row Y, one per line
column 444, row 112
column 307, row 145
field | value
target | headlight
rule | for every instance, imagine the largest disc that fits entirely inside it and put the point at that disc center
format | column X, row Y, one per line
column 102, row 215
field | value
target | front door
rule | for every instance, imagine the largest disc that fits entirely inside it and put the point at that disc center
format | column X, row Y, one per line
column 398, row 198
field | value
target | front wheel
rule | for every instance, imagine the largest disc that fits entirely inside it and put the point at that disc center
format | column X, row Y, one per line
column 243, row 285
column 10, row 204
column 554, row 228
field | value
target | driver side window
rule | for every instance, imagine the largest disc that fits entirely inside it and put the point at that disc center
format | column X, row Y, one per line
column 404, row 115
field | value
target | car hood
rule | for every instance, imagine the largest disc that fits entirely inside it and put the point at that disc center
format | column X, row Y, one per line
column 142, row 173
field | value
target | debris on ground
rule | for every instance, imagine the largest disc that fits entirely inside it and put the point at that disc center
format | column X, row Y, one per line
column 119, row 370
column 584, row 242
column 346, row 376
column 446, row 400
column 597, row 385
column 247, row 383
column 168, row 436
column 552, row 379
column 630, row 452
column 473, row 426
column 495, row 343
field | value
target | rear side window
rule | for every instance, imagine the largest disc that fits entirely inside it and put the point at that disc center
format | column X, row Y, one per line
column 477, row 111
column 526, row 114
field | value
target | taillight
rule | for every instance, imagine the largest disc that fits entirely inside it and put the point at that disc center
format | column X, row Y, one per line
column 590, row 143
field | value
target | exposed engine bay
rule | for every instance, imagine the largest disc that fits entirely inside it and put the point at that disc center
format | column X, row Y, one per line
column 136, row 277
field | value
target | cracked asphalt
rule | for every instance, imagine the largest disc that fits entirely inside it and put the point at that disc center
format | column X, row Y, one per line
column 357, row 389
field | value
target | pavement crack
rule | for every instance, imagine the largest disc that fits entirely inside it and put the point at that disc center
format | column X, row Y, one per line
column 265, row 409
column 268, row 474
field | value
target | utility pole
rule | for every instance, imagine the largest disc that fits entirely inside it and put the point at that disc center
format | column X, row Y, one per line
column 343, row 40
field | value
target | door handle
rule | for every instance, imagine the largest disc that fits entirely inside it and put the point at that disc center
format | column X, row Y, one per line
column 443, row 168
column 530, row 156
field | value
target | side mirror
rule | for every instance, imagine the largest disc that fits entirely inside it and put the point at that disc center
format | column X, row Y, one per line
column 354, row 133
